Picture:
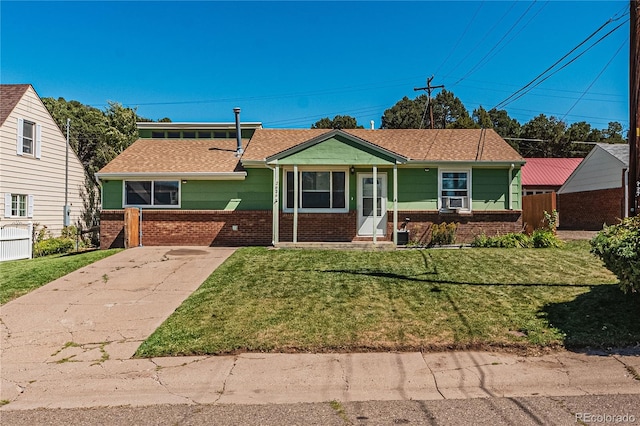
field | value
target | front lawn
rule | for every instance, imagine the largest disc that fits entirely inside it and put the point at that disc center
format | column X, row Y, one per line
column 19, row 277
column 318, row 301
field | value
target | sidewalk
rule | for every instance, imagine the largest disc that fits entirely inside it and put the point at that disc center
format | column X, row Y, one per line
column 69, row 345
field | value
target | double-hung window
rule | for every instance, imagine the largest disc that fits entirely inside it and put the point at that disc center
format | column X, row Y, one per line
column 152, row 193
column 29, row 138
column 28, row 133
column 317, row 191
column 18, row 205
column 455, row 187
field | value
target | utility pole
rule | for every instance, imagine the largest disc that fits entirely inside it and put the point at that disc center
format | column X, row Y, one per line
column 428, row 89
column 634, row 109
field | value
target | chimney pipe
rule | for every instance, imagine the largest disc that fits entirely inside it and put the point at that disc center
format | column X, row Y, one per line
column 239, row 150
column 372, row 125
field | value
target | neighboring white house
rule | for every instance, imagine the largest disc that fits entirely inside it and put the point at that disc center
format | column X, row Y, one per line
column 596, row 192
column 33, row 178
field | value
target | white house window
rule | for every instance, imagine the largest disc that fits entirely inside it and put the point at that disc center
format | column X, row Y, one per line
column 28, row 133
column 318, row 191
column 18, row 205
column 152, row 193
column 29, row 138
column 454, row 190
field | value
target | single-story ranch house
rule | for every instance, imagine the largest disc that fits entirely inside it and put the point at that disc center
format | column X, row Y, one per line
column 220, row 184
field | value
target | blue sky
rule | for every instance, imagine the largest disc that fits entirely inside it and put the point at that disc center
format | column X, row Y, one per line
column 288, row 64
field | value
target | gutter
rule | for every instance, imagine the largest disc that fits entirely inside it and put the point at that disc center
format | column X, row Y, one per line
column 174, row 175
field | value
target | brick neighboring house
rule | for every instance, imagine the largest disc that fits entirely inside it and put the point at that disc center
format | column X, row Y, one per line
column 211, row 184
column 595, row 194
column 544, row 175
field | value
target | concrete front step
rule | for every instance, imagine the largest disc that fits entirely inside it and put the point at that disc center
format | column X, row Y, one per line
column 355, row 245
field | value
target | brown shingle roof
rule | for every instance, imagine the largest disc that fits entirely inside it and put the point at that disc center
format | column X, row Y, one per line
column 218, row 155
column 415, row 144
column 10, row 95
column 177, row 156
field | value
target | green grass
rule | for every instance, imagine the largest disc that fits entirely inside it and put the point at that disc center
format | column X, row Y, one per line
column 19, row 277
column 316, row 300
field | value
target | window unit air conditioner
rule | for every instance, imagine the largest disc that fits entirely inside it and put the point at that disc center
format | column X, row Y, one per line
column 455, row 203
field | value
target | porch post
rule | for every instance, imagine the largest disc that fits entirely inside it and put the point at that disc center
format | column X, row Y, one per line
column 395, row 204
column 276, row 204
column 375, row 204
column 295, row 203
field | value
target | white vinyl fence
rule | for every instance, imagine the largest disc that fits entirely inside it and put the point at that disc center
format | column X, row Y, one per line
column 16, row 241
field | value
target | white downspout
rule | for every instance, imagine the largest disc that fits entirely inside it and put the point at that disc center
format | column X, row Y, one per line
column 295, row 203
column 275, row 234
column 510, row 194
column 375, row 204
column 395, row 204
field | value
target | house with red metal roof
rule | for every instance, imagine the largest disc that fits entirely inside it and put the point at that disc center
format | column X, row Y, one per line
column 213, row 184
column 544, row 175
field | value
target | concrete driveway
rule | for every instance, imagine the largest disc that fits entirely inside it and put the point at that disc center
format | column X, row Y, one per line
column 100, row 312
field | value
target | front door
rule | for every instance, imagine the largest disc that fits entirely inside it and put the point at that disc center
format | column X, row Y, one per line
column 365, row 204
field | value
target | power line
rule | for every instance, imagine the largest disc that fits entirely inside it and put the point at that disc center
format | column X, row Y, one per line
column 594, row 80
column 497, row 44
column 481, row 40
column 460, row 38
column 508, row 41
column 519, row 93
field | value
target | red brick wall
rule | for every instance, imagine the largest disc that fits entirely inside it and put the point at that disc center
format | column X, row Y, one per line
column 191, row 228
column 469, row 225
column 325, row 227
column 215, row 228
column 589, row 210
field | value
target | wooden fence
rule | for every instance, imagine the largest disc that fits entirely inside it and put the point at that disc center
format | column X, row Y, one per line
column 131, row 227
column 16, row 241
column 533, row 208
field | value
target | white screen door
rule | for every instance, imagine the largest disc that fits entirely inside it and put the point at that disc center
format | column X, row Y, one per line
column 365, row 204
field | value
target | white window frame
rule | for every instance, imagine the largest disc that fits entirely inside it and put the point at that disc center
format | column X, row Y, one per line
column 9, row 203
column 441, row 204
column 36, row 139
column 344, row 170
column 152, row 205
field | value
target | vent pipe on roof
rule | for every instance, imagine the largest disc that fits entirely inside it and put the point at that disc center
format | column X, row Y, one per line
column 239, row 150
column 372, row 126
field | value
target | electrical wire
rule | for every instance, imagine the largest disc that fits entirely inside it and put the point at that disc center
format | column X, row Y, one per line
column 480, row 65
column 563, row 66
column 594, row 80
column 460, row 38
column 481, row 40
column 510, row 99
column 495, row 46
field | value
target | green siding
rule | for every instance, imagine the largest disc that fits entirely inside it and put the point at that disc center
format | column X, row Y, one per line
column 253, row 193
column 489, row 189
column 112, row 194
column 417, row 189
column 337, row 151
column 516, row 190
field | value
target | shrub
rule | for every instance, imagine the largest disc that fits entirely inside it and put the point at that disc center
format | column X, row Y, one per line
column 444, row 233
column 53, row 246
column 544, row 238
column 619, row 248
column 510, row 240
